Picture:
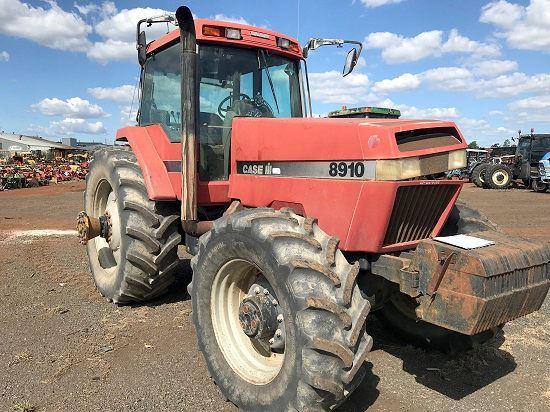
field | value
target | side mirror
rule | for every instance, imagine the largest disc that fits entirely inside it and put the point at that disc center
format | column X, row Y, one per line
column 142, row 48
column 351, row 61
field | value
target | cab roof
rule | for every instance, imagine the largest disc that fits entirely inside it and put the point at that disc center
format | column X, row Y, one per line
column 251, row 37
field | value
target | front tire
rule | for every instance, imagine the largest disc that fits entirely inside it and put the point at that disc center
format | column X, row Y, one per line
column 538, row 186
column 320, row 307
column 138, row 262
column 478, row 174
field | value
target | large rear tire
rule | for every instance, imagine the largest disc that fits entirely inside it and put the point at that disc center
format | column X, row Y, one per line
column 314, row 358
column 399, row 311
column 139, row 260
column 499, row 176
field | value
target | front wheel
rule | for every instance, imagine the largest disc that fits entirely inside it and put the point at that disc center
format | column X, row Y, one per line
column 538, row 186
column 137, row 260
column 478, row 174
column 399, row 312
column 279, row 316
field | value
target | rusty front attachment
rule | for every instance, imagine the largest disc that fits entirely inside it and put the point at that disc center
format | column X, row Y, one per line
column 91, row 227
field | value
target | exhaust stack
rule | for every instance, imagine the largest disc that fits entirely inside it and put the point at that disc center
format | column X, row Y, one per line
column 188, row 43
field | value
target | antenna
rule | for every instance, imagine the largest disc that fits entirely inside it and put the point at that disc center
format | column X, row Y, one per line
column 298, row 34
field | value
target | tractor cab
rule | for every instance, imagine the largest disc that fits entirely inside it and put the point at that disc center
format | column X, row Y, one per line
column 241, row 71
column 232, row 82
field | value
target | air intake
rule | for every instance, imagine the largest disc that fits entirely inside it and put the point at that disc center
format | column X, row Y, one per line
column 416, row 211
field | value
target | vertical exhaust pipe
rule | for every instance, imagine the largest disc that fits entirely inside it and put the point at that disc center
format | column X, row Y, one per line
column 188, row 43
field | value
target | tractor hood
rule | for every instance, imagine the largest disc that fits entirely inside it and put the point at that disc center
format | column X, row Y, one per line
column 324, row 139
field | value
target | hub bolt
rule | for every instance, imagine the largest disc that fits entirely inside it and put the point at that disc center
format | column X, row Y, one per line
column 274, row 302
column 271, row 341
column 280, row 318
column 278, row 333
column 257, row 290
column 266, row 292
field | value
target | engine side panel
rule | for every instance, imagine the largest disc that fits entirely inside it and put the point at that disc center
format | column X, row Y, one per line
column 358, row 211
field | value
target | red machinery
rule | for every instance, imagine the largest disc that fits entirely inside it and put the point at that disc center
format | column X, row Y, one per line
column 299, row 226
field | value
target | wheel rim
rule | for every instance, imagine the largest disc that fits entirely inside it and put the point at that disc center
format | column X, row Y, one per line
column 500, row 178
column 107, row 252
column 252, row 359
column 482, row 176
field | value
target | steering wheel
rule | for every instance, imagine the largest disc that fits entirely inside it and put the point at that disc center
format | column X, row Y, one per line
column 222, row 111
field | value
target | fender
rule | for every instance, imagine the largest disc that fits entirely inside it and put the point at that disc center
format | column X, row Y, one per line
column 153, row 150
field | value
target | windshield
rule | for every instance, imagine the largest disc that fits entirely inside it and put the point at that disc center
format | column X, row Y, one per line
column 236, row 82
column 233, row 82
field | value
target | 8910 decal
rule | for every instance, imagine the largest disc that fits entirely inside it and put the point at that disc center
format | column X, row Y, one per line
column 345, row 169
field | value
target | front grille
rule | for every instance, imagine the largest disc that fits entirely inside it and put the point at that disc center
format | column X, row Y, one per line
column 416, row 211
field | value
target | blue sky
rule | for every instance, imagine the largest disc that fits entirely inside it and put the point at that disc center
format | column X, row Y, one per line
column 69, row 68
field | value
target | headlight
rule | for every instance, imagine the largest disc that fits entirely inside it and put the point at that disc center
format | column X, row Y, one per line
column 398, row 169
column 409, row 167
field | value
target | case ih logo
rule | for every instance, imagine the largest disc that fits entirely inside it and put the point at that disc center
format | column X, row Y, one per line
column 361, row 169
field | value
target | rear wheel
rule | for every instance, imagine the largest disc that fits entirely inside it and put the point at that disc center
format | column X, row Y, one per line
column 399, row 311
column 137, row 261
column 279, row 317
column 478, row 174
column 499, row 176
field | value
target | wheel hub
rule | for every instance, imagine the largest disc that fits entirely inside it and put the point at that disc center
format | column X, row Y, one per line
column 258, row 317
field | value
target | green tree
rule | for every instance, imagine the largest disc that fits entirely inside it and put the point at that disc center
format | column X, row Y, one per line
column 506, row 143
column 473, row 145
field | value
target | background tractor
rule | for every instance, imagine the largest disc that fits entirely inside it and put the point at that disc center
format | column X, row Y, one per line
column 501, row 170
column 299, row 227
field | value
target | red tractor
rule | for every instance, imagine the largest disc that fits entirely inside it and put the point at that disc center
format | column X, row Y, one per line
column 299, row 226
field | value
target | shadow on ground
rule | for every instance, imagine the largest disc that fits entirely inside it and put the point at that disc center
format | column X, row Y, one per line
column 455, row 376
column 178, row 291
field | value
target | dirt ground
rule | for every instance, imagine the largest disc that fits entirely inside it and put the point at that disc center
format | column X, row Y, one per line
column 64, row 348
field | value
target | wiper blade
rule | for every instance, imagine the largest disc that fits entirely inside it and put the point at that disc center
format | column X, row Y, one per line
column 270, row 81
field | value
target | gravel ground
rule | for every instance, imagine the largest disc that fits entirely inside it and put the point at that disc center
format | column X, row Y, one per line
column 64, row 348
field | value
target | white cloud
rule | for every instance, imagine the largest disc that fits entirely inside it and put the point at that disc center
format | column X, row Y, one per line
column 120, row 94
column 428, row 113
column 112, row 50
column 496, row 113
column 512, row 85
column 404, row 82
column 232, row 19
column 4, row 56
column 399, row 49
column 128, row 114
column 74, row 107
column 378, row 3
column 70, row 126
column 446, row 78
column 523, row 27
column 493, row 68
column 104, row 9
column 118, row 32
column 460, row 44
column 463, row 80
column 50, row 26
column 331, row 87
column 532, row 103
